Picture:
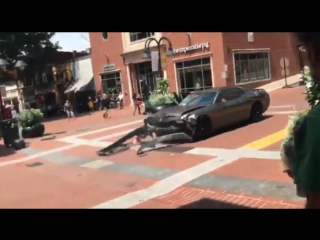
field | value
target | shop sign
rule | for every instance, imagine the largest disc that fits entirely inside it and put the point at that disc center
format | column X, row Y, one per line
column 191, row 48
column 108, row 67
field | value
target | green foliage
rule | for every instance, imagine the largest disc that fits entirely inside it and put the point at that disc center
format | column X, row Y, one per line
column 161, row 95
column 24, row 43
column 286, row 149
column 162, row 87
column 29, row 118
column 293, row 121
column 312, row 88
column 159, row 99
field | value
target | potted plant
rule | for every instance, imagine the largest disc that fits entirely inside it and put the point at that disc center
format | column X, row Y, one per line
column 30, row 121
column 160, row 98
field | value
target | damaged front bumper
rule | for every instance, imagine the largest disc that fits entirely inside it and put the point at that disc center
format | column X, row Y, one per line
column 165, row 128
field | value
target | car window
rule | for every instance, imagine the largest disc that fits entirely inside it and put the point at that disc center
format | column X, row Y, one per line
column 204, row 99
column 230, row 94
column 189, row 99
column 237, row 92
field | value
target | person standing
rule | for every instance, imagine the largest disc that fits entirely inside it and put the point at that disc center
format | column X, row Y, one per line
column 146, row 94
column 120, row 99
column 105, row 104
column 69, row 110
column 137, row 101
column 90, row 105
column 306, row 160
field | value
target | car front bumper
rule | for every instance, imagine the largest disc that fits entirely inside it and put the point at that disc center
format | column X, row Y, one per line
column 169, row 128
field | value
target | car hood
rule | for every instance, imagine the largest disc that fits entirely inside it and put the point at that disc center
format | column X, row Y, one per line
column 176, row 111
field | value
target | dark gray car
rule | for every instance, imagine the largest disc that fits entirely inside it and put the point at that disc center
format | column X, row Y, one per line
column 203, row 112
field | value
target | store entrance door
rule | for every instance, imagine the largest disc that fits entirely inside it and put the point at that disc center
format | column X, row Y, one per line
column 145, row 77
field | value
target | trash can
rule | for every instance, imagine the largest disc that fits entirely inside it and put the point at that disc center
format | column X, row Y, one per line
column 10, row 131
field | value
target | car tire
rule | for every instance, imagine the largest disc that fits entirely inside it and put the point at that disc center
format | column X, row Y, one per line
column 256, row 112
column 202, row 129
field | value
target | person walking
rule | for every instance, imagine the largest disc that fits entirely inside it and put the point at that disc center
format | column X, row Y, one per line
column 137, row 101
column 105, row 104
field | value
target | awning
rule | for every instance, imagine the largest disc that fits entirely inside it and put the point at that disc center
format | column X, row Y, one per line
column 80, row 84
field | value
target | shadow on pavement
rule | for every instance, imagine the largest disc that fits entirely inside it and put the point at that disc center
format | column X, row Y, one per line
column 55, row 118
column 212, row 204
column 239, row 125
column 4, row 151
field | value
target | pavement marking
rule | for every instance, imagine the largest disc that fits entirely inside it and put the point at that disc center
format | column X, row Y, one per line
column 60, row 149
column 281, row 112
column 267, row 141
column 37, row 155
column 241, row 153
column 97, row 164
column 166, row 185
column 106, row 129
column 96, row 142
column 179, row 179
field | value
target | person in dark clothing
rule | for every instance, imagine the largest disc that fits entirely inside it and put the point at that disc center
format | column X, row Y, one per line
column 146, row 93
column 105, row 102
column 137, row 101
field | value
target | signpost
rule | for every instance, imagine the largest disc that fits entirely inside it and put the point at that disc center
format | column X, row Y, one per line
column 284, row 63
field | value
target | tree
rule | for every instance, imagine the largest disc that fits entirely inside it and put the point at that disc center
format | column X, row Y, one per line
column 35, row 48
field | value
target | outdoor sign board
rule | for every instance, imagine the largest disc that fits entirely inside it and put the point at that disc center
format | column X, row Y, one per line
column 191, row 48
column 108, row 67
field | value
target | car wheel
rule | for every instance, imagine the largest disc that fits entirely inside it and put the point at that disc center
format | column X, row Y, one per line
column 202, row 129
column 256, row 112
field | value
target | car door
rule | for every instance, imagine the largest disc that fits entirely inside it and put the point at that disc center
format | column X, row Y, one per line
column 223, row 107
column 241, row 105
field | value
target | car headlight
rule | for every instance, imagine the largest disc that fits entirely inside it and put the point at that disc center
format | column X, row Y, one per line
column 183, row 117
column 192, row 116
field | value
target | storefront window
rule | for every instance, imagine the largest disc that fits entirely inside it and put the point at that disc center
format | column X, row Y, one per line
column 251, row 66
column 136, row 36
column 111, row 83
column 194, row 75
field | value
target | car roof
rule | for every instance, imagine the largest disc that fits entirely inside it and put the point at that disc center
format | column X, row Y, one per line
column 216, row 89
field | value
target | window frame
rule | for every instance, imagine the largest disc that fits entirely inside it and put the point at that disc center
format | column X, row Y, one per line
column 131, row 34
column 104, row 39
column 103, row 79
column 255, row 51
column 183, row 68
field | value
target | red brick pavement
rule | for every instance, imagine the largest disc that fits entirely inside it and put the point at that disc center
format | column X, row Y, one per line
column 188, row 197
column 65, row 186
column 288, row 96
column 94, row 120
column 62, row 186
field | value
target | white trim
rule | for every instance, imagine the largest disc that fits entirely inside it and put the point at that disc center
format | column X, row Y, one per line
column 129, row 83
column 193, row 57
column 212, row 72
column 244, row 51
column 250, row 50
column 112, row 71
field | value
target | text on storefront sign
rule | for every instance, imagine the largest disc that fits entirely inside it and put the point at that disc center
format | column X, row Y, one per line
column 191, row 48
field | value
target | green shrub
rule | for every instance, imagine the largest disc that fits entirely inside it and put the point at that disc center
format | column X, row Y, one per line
column 29, row 118
column 159, row 99
column 312, row 88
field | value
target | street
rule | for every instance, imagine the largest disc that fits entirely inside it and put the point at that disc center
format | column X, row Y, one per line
column 236, row 168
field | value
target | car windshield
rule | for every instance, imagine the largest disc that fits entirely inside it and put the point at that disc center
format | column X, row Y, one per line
column 198, row 99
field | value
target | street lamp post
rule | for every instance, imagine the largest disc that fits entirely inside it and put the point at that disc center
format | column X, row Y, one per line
column 147, row 55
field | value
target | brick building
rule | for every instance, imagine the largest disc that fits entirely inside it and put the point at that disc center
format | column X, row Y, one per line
column 200, row 59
